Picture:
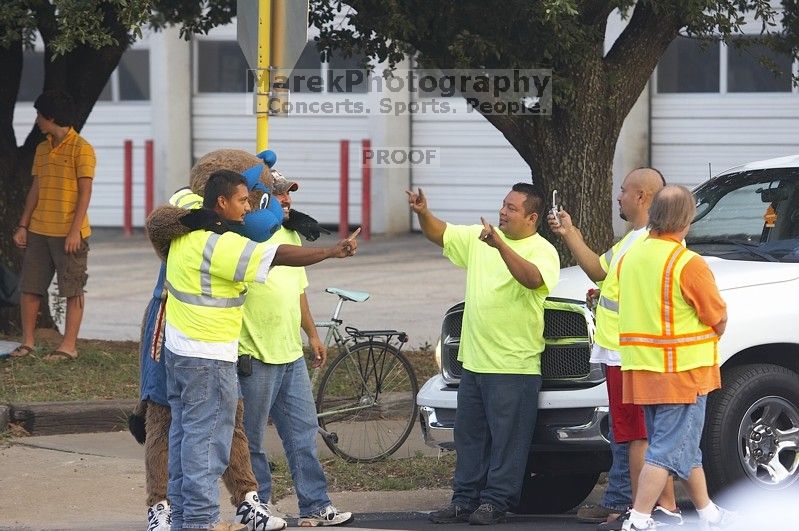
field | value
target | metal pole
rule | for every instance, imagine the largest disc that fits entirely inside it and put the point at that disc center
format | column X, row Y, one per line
column 262, row 84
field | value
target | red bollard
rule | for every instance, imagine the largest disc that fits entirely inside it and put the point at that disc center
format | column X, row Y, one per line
column 127, row 186
column 148, row 178
column 366, row 190
column 344, row 190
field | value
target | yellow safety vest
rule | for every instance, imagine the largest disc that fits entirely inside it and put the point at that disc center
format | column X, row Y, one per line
column 607, row 310
column 206, row 276
column 658, row 330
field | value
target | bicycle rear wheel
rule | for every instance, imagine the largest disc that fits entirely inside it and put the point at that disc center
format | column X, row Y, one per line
column 367, row 398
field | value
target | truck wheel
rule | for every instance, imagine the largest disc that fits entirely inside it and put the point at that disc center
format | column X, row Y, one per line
column 752, row 429
column 551, row 494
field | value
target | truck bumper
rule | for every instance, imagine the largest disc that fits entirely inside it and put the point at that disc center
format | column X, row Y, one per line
column 576, row 429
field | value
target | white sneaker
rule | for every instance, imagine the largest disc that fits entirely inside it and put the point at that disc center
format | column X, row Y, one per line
column 255, row 515
column 726, row 520
column 327, row 516
column 629, row 526
column 159, row 517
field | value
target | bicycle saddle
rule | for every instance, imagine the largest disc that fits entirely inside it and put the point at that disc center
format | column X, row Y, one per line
column 349, row 295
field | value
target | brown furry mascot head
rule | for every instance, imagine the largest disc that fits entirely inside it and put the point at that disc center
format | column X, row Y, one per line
column 163, row 225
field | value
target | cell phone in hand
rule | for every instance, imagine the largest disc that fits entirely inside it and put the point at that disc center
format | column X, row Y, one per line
column 555, row 206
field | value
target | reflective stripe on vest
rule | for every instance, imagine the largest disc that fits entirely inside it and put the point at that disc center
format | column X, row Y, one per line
column 609, row 304
column 206, row 300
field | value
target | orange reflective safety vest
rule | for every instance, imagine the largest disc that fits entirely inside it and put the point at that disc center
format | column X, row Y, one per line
column 658, row 330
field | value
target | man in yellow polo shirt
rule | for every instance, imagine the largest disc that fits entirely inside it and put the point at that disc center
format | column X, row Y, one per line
column 509, row 273
column 54, row 226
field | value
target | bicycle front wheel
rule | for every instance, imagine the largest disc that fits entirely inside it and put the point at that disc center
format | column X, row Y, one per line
column 367, row 398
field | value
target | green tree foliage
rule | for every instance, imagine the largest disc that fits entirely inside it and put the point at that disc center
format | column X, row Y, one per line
column 594, row 88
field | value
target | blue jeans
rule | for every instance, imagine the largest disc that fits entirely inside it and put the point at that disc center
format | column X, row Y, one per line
column 618, row 494
column 494, row 425
column 202, row 396
column 675, row 431
column 284, row 391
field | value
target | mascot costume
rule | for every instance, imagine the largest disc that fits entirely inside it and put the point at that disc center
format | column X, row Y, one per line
column 150, row 421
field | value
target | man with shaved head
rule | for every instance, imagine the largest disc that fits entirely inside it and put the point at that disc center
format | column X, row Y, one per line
column 628, row 430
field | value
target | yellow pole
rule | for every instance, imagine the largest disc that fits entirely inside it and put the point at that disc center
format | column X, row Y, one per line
column 262, row 80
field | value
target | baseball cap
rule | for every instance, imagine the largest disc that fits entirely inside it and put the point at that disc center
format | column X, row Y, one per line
column 281, row 185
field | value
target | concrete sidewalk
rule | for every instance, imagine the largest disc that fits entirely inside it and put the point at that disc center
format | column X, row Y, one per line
column 96, row 481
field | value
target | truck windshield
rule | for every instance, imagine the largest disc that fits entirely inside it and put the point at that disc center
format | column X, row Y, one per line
column 749, row 215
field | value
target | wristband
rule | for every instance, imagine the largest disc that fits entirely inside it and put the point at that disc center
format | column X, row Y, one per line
column 21, row 227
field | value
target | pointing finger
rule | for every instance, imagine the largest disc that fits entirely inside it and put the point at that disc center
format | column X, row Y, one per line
column 354, row 234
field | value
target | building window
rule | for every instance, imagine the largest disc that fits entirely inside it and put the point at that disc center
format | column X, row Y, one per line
column 689, row 65
column 222, row 67
column 334, row 74
column 346, row 74
column 129, row 82
column 134, row 75
column 306, row 75
column 32, row 79
column 747, row 73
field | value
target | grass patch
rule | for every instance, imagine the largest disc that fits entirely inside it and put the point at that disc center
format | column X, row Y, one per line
column 411, row 473
column 104, row 370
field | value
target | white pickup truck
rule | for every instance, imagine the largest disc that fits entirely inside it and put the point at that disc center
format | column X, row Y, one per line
column 747, row 228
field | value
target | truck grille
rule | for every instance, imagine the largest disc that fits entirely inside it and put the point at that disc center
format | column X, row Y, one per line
column 568, row 329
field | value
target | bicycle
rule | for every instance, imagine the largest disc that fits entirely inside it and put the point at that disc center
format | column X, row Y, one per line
column 366, row 402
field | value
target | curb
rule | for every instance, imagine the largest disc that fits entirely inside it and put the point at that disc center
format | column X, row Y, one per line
column 5, row 416
column 59, row 418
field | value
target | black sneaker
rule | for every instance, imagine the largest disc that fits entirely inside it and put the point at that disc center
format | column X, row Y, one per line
column 615, row 524
column 450, row 515
column 487, row 514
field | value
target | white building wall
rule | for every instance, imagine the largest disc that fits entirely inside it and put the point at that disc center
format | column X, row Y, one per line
column 477, row 165
column 307, row 147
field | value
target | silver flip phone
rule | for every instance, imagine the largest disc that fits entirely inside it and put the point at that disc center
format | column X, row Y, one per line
column 555, row 206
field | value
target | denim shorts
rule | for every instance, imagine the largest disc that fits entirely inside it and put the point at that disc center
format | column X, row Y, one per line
column 674, row 434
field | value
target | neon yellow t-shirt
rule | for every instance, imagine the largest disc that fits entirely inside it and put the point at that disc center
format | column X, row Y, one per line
column 503, row 322
column 270, row 331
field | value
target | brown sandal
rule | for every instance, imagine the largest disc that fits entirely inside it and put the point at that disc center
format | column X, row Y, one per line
column 21, row 351
column 60, row 355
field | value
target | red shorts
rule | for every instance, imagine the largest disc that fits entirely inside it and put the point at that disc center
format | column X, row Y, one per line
column 627, row 419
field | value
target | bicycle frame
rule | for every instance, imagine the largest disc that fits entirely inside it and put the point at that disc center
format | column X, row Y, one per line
column 364, row 361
